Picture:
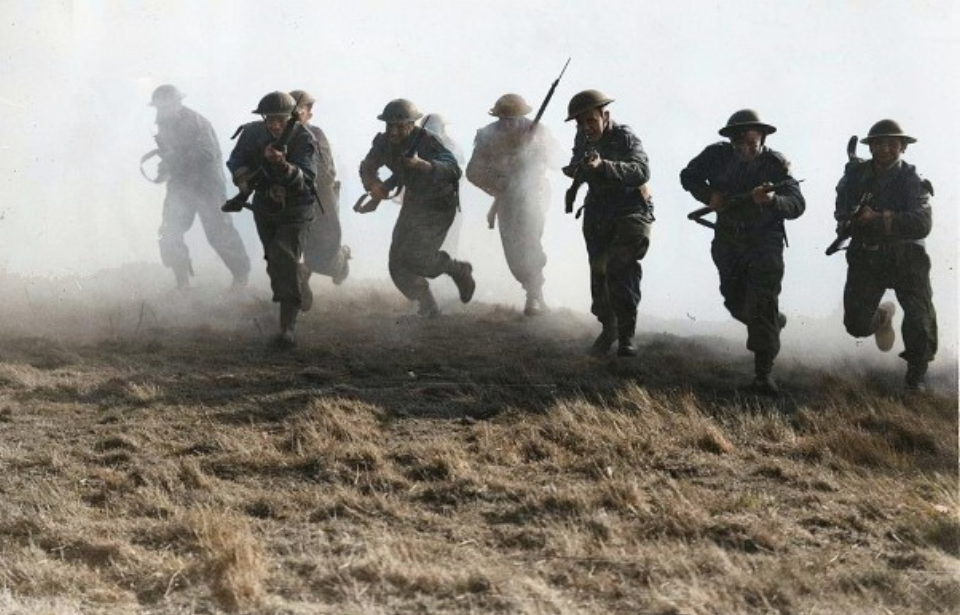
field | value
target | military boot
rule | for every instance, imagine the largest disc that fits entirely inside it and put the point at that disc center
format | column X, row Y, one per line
column 884, row 335
column 182, row 275
column 428, row 305
column 625, row 333
column 763, row 382
column 535, row 304
column 916, row 379
column 288, row 323
column 306, row 294
column 462, row 274
column 601, row 346
column 344, row 270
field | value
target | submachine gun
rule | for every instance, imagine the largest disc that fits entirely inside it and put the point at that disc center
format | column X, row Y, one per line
column 737, row 200
column 844, row 226
column 392, row 183
column 255, row 178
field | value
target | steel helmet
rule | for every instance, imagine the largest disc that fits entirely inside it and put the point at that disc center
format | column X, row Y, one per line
column 400, row 110
column 275, row 103
column 745, row 119
column 887, row 128
column 586, row 100
column 303, row 97
column 510, row 105
column 166, row 95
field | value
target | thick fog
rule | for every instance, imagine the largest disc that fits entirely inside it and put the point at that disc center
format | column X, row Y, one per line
column 76, row 77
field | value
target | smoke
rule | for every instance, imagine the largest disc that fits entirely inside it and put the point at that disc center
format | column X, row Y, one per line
column 76, row 78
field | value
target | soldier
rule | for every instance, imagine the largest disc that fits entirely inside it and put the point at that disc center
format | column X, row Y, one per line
column 430, row 178
column 323, row 252
column 609, row 158
column 887, row 250
column 284, row 202
column 437, row 124
column 736, row 179
column 192, row 166
column 509, row 162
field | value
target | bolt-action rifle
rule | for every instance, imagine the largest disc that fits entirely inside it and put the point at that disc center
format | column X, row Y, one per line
column 736, row 200
column 392, row 184
column 578, row 179
column 844, row 226
column 256, row 177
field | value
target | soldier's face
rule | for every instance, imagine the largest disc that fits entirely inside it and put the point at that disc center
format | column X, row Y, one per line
column 593, row 123
column 275, row 124
column 886, row 150
column 747, row 144
column 398, row 131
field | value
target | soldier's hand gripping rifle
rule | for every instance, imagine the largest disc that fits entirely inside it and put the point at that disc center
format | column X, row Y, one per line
column 578, row 179
column 157, row 151
column 249, row 182
column 736, row 200
column 392, row 185
column 844, row 226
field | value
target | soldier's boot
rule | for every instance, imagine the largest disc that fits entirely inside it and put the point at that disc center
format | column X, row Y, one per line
column 535, row 304
column 428, row 305
column 306, row 293
column 288, row 324
column 782, row 320
column 916, row 379
column 601, row 346
column 763, row 382
column 625, row 333
column 884, row 335
column 344, row 270
column 182, row 274
column 462, row 274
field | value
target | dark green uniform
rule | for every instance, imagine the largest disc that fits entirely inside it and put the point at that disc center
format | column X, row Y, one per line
column 890, row 254
column 748, row 240
column 430, row 204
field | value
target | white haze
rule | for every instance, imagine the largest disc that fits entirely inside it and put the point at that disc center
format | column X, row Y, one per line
column 75, row 78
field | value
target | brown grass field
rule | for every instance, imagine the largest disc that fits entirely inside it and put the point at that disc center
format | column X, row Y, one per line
column 157, row 457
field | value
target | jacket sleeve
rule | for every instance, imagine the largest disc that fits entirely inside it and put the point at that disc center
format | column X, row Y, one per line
column 914, row 219
column 248, row 152
column 445, row 165
column 788, row 200
column 695, row 178
column 632, row 169
column 480, row 171
column 370, row 166
column 300, row 167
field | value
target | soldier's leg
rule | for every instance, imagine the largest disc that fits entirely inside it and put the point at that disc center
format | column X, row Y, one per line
column 521, row 230
column 732, row 270
column 862, row 293
column 321, row 253
column 283, row 255
column 224, row 238
column 414, row 287
column 919, row 329
column 596, row 235
column 628, row 246
column 762, row 313
column 178, row 216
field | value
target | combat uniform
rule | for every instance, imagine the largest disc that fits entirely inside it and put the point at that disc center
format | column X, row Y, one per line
column 748, row 240
column 617, row 219
column 509, row 163
column 323, row 252
column 430, row 204
column 890, row 254
column 283, row 205
column 192, row 163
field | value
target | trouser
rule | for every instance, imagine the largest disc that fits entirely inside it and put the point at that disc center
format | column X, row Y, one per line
column 180, row 207
column 282, row 247
column 615, row 247
column 521, row 230
column 906, row 269
column 321, row 251
column 750, row 282
column 415, row 253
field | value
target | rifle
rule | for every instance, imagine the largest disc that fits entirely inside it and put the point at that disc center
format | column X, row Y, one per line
column 843, row 228
column 578, row 179
column 256, row 177
column 546, row 99
column 392, row 183
column 157, row 151
column 735, row 201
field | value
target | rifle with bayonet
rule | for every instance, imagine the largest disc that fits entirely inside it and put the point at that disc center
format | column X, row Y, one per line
column 844, row 226
column 737, row 200
column 392, row 184
column 252, row 180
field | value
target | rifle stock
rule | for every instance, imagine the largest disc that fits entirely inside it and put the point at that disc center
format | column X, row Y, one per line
column 363, row 205
column 735, row 201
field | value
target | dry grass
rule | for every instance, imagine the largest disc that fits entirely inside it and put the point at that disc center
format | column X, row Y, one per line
column 170, row 463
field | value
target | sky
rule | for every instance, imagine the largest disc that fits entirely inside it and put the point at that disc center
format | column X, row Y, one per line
column 75, row 79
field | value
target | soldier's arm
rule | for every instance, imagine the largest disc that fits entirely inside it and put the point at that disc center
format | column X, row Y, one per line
column 445, row 167
column 695, row 177
column 299, row 169
column 632, row 169
column 788, row 200
column 915, row 220
column 479, row 170
column 370, row 166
